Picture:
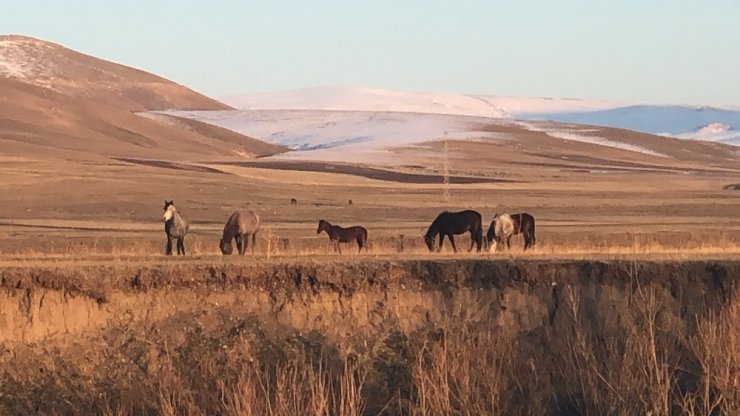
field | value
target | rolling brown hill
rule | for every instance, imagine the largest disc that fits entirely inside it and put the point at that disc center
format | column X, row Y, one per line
column 59, row 103
column 49, row 65
column 37, row 121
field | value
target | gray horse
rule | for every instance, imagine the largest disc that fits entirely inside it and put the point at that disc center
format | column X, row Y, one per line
column 175, row 226
column 239, row 226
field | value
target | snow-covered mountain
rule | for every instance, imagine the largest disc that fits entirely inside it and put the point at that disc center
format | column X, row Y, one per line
column 335, row 135
column 687, row 122
column 373, row 99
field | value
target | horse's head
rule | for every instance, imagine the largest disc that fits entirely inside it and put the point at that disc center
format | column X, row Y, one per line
column 225, row 246
column 429, row 240
column 169, row 210
column 323, row 226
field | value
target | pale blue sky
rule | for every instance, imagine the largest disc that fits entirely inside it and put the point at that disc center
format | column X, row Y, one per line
column 657, row 51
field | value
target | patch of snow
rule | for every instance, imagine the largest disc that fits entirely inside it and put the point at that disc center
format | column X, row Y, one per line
column 714, row 128
column 22, row 57
column 577, row 136
column 12, row 62
column 668, row 120
column 365, row 99
column 715, row 132
column 685, row 122
column 374, row 99
column 339, row 135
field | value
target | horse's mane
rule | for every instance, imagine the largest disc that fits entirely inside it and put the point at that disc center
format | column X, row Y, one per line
column 435, row 224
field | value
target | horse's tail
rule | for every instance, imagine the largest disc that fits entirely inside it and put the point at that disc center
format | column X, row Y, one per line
column 491, row 231
column 533, row 239
column 362, row 239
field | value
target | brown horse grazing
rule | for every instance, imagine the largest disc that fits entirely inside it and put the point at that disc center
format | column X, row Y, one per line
column 175, row 226
column 339, row 234
column 293, row 201
column 522, row 223
column 239, row 226
column 451, row 223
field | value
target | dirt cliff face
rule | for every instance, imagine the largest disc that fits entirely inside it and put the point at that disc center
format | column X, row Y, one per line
column 560, row 337
column 341, row 298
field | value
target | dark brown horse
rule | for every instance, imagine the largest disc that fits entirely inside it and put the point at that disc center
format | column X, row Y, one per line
column 339, row 234
column 523, row 224
column 451, row 223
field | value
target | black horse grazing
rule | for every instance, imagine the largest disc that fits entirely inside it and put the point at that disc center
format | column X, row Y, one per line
column 523, row 224
column 339, row 234
column 451, row 223
column 175, row 226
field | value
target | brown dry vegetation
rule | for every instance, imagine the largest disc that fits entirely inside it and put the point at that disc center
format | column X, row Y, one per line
column 94, row 320
column 421, row 338
column 43, row 124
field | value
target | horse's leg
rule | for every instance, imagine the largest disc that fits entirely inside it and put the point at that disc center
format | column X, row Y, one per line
column 181, row 246
column 493, row 246
column 441, row 241
column 245, row 243
column 168, row 250
column 452, row 241
column 254, row 240
column 472, row 241
column 238, row 239
column 508, row 242
column 339, row 249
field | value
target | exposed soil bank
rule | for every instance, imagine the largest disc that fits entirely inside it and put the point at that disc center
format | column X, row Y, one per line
column 468, row 336
column 343, row 297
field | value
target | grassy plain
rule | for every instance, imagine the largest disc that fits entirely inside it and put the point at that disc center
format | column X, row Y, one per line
column 491, row 342
column 104, row 207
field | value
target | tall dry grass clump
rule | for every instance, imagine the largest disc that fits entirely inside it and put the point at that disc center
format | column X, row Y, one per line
column 295, row 388
column 716, row 347
column 631, row 369
column 464, row 369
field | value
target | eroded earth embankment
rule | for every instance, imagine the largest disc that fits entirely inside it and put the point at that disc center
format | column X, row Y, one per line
column 345, row 297
column 557, row 337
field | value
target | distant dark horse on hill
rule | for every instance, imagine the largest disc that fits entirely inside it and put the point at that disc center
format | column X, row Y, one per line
column 521, row 223
column 339, row 234
column 175, row 226
column 451, row 223
column 239, row 227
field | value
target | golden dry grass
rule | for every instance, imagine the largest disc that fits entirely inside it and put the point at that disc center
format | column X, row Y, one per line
column 649, row 362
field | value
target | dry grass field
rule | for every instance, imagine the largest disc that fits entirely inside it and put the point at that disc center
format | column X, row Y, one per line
column 92, row 324
column 628, row 303
column 113, row 207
